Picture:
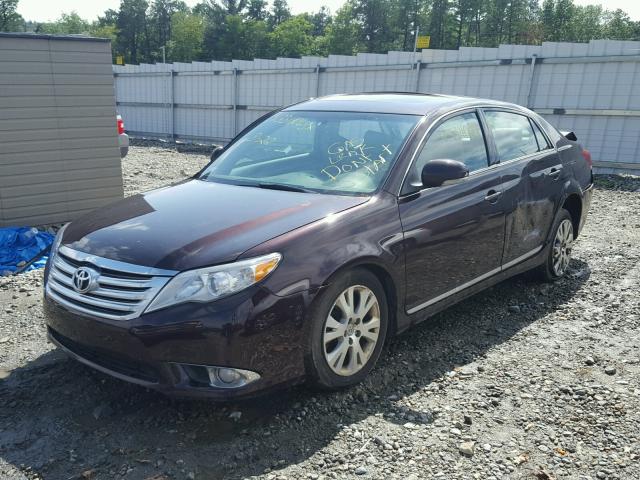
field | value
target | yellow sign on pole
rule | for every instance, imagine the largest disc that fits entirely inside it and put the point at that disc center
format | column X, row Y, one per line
column 423, row 41
column 119, row 60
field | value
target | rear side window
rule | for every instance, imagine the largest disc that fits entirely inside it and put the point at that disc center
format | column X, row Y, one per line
column 543, row 144
column 512, row 134
column 458, row 138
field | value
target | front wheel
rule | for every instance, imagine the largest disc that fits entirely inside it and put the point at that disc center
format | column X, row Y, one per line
column 557, row 262
column 349, row 325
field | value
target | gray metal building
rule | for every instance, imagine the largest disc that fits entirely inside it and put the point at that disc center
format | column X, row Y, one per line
column 59, row 154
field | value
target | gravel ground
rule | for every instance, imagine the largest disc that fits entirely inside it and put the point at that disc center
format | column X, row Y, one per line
column 525, row 380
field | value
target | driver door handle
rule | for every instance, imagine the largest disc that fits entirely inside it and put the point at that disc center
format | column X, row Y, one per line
column 555, row 172
column 493, row 196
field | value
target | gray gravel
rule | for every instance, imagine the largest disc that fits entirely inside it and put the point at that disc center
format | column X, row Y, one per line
column 522, row 381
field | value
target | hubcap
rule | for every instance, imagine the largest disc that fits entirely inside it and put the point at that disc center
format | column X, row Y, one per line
column 562, row 247
column 351, row 330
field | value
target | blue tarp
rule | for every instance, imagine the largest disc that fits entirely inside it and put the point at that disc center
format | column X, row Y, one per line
column 18, row 245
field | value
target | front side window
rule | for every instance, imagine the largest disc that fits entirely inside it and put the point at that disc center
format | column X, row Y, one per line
column 459, row 138
column 327, row 152
column 512, row 134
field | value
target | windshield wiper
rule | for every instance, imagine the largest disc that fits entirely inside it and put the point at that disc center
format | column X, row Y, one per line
column 287, row 188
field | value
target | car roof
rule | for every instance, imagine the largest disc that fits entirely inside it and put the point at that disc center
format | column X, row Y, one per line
column 391, row 102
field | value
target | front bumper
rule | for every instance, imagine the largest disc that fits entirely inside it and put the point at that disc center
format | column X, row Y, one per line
column 254, row 330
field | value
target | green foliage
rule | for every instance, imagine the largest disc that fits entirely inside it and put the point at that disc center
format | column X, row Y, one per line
column 187, row 34
column 343, row 35
column 292, row 38
column 257, row 10
column 247, row 29
column 10, row 20
column 68, row 23
column 279, row 13
column 104, row 31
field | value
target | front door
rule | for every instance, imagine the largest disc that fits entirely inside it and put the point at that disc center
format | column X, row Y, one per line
column 453, row 234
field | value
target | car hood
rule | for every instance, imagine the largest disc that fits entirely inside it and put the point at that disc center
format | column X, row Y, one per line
column 196, row 223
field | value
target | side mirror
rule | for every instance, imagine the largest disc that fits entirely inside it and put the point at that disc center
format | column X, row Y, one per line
column 436, row 172
column 217, row 150
column 570, row 136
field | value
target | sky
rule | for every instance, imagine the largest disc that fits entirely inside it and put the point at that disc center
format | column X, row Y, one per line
column 49, row 10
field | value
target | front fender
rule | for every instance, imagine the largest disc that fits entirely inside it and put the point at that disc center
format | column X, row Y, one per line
column 313, row 254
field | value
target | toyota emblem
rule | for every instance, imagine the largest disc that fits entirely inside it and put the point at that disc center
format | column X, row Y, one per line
column 84, row 279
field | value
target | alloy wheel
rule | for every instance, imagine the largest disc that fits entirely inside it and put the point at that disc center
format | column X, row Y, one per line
column 562, row 245
column 351, row 330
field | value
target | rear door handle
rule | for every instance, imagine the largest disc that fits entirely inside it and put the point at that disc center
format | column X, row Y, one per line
column 493, row 196
column 555, row 172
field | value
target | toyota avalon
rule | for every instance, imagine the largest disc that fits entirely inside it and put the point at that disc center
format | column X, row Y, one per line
column 319, row 232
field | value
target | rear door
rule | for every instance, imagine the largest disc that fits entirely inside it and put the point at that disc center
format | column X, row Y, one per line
column 532, row 174
column 453, row 234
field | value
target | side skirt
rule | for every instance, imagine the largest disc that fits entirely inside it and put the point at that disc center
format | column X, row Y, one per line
column 437, row 306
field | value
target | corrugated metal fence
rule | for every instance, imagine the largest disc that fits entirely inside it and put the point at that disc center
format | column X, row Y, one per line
column 592, row 89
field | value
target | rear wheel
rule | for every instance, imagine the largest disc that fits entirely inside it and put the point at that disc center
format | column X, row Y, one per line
column 349, row 327
column 557, row 261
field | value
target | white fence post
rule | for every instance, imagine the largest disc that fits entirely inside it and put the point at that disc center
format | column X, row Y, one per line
column 534, row 57
column 172, row 109
column 235, row 101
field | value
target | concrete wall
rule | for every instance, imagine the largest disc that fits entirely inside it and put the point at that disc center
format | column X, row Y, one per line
column 593, row 89
column 59, row 154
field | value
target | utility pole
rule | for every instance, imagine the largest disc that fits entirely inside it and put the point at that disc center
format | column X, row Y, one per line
column 164, row 56
column 415, row 40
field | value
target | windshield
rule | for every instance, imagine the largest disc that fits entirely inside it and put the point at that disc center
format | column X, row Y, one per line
column 337, row 152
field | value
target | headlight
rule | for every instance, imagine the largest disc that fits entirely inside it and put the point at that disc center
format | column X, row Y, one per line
column 213, row 283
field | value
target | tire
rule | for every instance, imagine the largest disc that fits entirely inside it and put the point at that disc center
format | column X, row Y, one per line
column 557, row 260
column 334, row 360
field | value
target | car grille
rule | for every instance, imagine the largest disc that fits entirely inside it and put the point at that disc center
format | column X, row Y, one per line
column 122, row 291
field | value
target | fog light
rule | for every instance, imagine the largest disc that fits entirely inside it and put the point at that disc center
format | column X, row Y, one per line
column 219, row 377
column 225, row 377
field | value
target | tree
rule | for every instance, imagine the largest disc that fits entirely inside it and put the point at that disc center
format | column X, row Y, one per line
column 320, row 21
column 68, row 23
column 257, row 10
column 588, row 23
column 187, row 35
column 438, row 24
column 557, row 20
column 160, row 16
column 105, row 27
column 232, row 36
column 292, row 38
column 104, row 31
column 247, row 29
column 464, row 10
column 618, row 26
column 377, row 26
column 10, row 20
column 343, row 35
column 133, row 31
column 279, row 13
column 407, row 20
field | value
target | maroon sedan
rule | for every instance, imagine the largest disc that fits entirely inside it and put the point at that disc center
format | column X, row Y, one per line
column 323, row 229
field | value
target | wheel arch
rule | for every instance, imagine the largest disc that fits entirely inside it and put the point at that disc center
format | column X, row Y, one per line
column 386, row 278
column 573, row 204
